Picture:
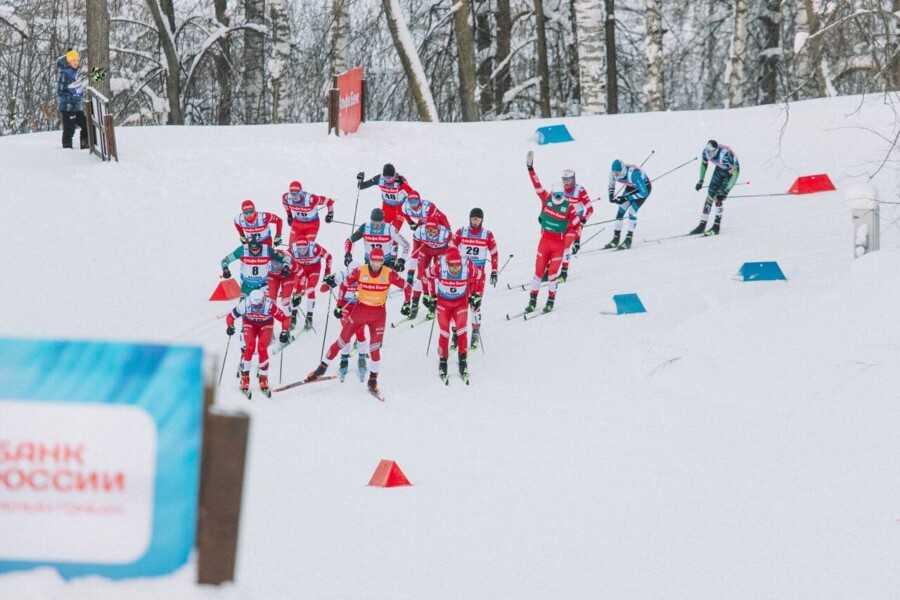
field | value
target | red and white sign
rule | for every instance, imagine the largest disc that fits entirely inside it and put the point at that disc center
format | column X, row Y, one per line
column 76, row 481
column 349, row 84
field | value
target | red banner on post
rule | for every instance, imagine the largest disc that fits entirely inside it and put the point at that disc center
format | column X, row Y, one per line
column 349, row 86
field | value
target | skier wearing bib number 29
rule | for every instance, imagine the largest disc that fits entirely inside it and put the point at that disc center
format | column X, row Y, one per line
column 558, row 215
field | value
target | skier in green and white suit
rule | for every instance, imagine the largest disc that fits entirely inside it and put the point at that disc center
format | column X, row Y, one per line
column 727, row 171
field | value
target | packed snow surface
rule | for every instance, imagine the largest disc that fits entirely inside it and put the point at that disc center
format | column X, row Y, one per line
column 739, row 440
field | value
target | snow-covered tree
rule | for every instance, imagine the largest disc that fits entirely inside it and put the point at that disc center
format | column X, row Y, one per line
column 409, row 58
column 654, row 87
column 735, row 72
column 591, row 35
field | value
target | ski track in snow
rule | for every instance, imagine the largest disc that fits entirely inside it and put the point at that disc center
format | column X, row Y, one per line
column 736, row 441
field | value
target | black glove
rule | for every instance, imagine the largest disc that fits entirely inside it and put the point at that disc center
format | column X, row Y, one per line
column 226, row 274
column 360, row 177
column 329, row 217
column 529, row 160
column 494, row 277
column 475, row 301
column 348, row 258
column 284, row 338
column 414, row 225
column 576, row 245
column 290, row 219
column 699, row 186
column 398, row 266
column 296, row 300
column 229, row 331
column 277, row 240
column 286, row 271
column 330, row 281
column 243, row 239
column 338, row 312
column 622, row 199
column 612, row 199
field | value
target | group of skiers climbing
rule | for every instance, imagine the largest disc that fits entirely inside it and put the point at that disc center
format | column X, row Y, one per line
column 446, row 271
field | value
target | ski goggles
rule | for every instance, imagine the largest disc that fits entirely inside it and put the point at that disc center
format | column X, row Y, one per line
column 248, row 212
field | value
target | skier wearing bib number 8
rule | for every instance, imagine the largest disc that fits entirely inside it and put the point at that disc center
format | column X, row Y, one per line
column 455, row 283
column 476, row 243
column 558, row 214
column 257, row 261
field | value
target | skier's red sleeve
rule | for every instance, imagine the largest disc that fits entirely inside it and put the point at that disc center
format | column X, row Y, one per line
column 353, row 277
column 229, row 320
column 538, row 188
column 442, row 218
column 492, row 247
column 327, row 255
column 398, row 281
column 476, row 280
column 404, row 185
column 585, row 199
column 287, row 210
column 273, row 218
column 279, row 314
column 457, row 237
column 240, row 230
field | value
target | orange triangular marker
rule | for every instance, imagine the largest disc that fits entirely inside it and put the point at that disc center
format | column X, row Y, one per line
column 388, row 474
column 809, row 184
column 228, row 289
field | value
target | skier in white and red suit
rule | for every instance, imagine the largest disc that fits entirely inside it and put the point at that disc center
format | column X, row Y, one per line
column 455, row 283
column 576, row 193
column 416, row 211
column 429, row 242
column 307, row 259
column 391, row 184
column 476, row 243
column 257, row 313
column 558, row 214
column 281, row 278
column 374, row 281
column 302, row 210
column 253, row 225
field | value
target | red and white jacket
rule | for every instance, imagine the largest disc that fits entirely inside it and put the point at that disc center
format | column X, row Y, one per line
column 303, row 207
column 258, row 227
column 477, row 245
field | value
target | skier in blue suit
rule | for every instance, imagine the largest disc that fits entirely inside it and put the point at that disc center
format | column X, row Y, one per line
column 636, row 191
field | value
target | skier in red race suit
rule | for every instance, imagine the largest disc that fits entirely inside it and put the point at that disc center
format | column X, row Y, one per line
column 252, row 225
column 307, row 259
column 346, row 300
column 430, row 241
column 455, row 283
column 391, row 184
column 576, row 193
column 302, row 210
column 558, row 214
column 258, row 313
column 477, row 243
column 373, row 281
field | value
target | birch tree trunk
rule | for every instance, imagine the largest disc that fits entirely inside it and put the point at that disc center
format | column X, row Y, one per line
column 589, row 22
column 254, row 62
column 809, row 81
column 465, row 46
column 542, row 65
column 484, row 57
column 409, row 58
column 223, row 68
column 173, row 81
column 281, row 57
column 340, row 35
column 502, row 81
column 654, row 88
column 770, row 24
column 98, row 42
column 612, row 60
column 736, row 73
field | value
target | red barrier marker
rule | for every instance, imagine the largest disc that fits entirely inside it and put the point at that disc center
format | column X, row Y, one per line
column 228, row 289
column 809, row 184
column 388, row 474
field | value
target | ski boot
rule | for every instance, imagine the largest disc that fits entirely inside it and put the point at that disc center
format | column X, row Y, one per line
column 307, row 324
column 343, row 367
column 563, row 273
column 373, row 383
column 431, row 305
column 532, row 303
column 699, row 229
column 410, row 276
column 613, row 243
column 404, row 310
column 442, row 371
column 476, row 338
column 264, row 385
column 626, row 243
column 414, row 307
column 549, row 306
column 714, row 230
column 463, row 368
column 245, row 383
column 317, row 372
column 293, row 319
column 361, row 366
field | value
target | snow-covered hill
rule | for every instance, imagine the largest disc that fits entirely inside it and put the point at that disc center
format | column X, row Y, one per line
column 737, row 441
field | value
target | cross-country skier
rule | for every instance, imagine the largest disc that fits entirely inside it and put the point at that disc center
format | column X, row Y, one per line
column 254, row 225
column 416, row 211
column 257, row 261
column 302, row 210
column 308, row 259
column 429, row 242
column 346, row 300
column 455, row 283
column 637, row 190
column 257, row 313
column 728, row 169
column 476, row 243
column 281, row 279
column 390, row 183
column 374, row 281
column 558, row 214
column 379, row 234
column 576, row 193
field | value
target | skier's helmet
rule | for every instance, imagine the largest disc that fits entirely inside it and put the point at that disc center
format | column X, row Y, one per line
column 295, row 186
column 476, row 213
column 388, row 170
column 432, row 225
column 568, row 180
column 454, row 259
column 618, row 168
column 248, row 208
column 377, row 215
column 376, row 256
column 712, row 146
column 557, row 196
column 256, row 297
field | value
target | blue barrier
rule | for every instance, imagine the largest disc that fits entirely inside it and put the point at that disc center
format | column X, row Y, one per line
column 628, row 304
column 553, row 134
column 761, row 271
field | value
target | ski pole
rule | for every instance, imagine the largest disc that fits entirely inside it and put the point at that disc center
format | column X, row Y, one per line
column 673, row 169
column 343, row 222
column 325, row 333
column 356, row 206
column 643, row 162
column 430, row 334
column 595, row 223
column 280, row 365
column 225, row 358
column 508, row 258
column 738, row 183
column 760, row 195
column 587, row 241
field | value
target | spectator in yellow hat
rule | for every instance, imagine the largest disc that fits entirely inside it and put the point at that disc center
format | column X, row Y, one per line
column 70, row 92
